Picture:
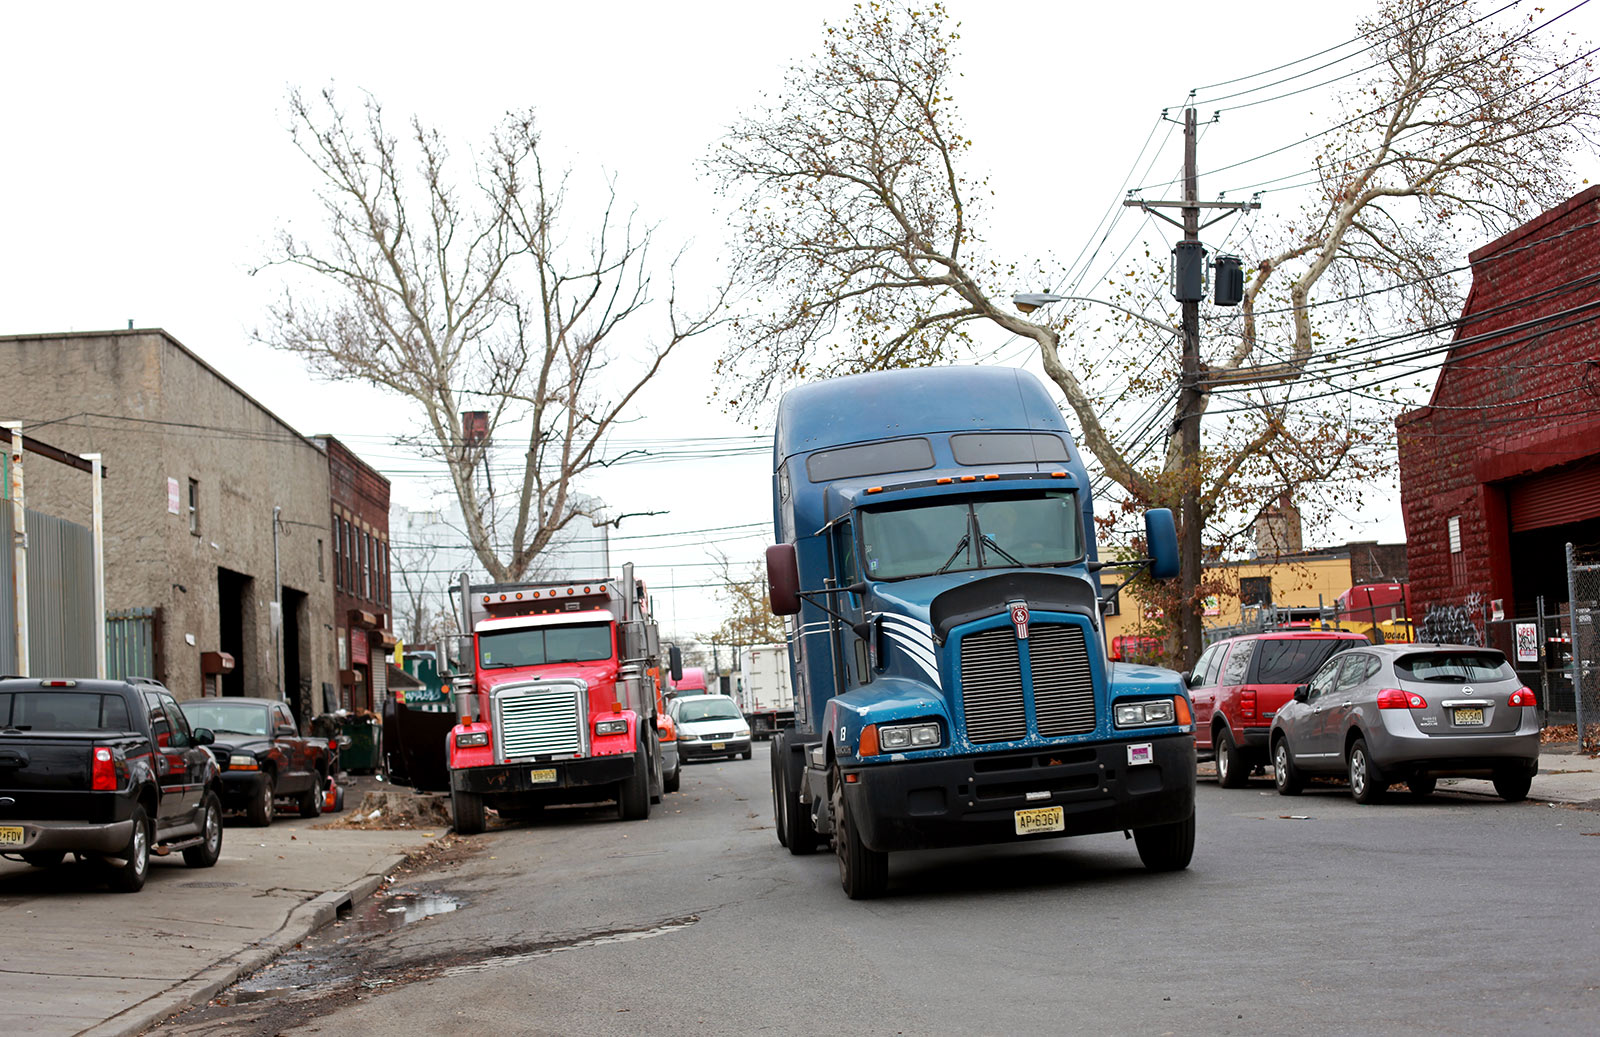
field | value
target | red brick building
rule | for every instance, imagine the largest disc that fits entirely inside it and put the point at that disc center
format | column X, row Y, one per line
column 1502, row 467
column 359, row 576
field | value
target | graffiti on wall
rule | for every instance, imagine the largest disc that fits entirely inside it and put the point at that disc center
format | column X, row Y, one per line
column 1453, row 624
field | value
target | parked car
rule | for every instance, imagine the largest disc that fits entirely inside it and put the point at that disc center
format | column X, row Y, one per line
column 1238, row 686
column 671, row 761
column 710, row 726
column 263, row 756
column 105, row 769
column 1412, row 713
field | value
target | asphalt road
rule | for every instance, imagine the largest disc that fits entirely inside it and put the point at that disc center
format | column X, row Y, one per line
column 1459, row 915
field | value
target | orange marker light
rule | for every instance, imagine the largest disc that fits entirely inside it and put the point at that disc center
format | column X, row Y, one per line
column 944, row 480
column 1180, row 707
column 874, row 489
column 1058, row 475
column 988, row 477
column 869, row 741
column 969, row 478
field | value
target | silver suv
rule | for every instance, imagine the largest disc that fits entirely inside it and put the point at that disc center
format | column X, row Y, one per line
column 1413, row 713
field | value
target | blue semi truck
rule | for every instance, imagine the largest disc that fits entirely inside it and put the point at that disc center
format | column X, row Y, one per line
column 935, row 552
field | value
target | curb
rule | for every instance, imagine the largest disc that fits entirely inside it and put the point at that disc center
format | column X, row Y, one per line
column 201, row 987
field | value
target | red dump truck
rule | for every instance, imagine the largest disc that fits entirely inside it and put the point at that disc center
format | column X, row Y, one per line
column 557, row 700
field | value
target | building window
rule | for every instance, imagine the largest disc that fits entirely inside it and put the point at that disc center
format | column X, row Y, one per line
column 322, row 575
column 1458, row 557
column 366, row 566
column 194, row 506
column 1255, row 590
column 338, row 554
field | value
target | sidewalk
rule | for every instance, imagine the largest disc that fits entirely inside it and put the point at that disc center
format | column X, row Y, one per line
column 80, row 959
column 1565, row 776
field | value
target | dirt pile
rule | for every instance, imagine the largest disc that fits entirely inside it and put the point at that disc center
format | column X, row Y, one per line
column 395, row 808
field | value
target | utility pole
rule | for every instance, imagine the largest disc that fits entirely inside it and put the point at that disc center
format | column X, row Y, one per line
column 1189, row 286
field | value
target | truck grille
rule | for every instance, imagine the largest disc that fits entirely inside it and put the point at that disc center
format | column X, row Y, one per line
column 991, row 687
column 539, row 721
column 991, row 684
column 1063, row 684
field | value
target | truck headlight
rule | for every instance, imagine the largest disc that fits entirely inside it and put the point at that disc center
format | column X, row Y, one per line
column 910, row 736
column 1152, row 713
column 468, row 739
column 610, row 727
column 242, row 762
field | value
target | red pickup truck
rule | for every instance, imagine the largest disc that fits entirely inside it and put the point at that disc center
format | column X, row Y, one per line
column 1238, row 686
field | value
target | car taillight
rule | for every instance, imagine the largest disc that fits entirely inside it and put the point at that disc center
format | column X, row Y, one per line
column 1247, row 704
column 103, row 774
column 1523, row 697
column 1394, row 698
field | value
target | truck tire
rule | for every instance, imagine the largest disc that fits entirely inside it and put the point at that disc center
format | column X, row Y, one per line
column 863, row 872
column 1166, row 847
column 1232, row 771
column 798, row 835
column 777, row 791
column 310, row 801
column 466, row 812
column 259, row 810
column 658, row 780
column 135, row 868
column 633, row 792
column 210, row 848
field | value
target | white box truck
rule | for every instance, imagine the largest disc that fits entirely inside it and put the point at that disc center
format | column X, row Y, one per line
column 765, row 693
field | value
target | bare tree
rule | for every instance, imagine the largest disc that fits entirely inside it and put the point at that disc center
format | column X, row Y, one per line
column 468, row 297
column 748, row 619
column 859, row 229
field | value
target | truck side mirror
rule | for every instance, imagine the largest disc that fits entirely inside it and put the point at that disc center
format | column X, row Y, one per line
column 1161, row 540
column 675, row 662
column 783, row 580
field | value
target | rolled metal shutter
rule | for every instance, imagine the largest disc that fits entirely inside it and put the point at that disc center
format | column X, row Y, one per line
column 1556, row 498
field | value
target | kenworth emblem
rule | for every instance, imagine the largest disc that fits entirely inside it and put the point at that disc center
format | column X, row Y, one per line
column 1019, row 619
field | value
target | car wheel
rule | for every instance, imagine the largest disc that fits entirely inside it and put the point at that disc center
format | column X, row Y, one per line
column 1367, row 784
column 44, row 858
column 310, row 802
column 338, row 799
column 863, row 872
column 259, row 810
column 1284, row 776
column 671, row 782
column 210, row 848
column 466, row 812
column 1513, row 786
column 1167, row 847
column 1422, row 785
column 1232, row 771
column 747, row 753
column 135, row 868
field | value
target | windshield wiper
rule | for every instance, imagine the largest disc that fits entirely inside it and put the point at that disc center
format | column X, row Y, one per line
column 988, row 538
column 960, row 547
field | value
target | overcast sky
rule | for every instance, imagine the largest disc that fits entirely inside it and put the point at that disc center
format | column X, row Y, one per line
column 148, row 166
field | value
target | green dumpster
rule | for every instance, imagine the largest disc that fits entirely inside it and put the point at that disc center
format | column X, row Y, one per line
column 360, row 755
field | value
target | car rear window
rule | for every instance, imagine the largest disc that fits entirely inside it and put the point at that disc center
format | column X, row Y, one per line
column 1292, row 660
column 63, row 711
column 1454, row 667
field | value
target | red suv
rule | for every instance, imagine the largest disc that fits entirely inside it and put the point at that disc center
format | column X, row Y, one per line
column 1239, row 684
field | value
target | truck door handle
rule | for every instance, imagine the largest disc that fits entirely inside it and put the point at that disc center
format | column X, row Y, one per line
column 1345, row 704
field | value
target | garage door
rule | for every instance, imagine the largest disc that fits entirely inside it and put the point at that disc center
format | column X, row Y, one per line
column 1556, row 497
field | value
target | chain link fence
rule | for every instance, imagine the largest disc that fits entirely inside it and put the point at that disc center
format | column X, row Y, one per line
column 1583, row 633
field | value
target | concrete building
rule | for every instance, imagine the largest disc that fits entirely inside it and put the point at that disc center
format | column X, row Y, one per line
column 1502, row 468
column 211, row 504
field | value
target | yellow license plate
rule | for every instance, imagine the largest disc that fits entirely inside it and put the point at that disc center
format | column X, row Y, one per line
column 10, row 835
column 542, row 777
column 719, row 745
column 1469, row 718
column 1041, row 819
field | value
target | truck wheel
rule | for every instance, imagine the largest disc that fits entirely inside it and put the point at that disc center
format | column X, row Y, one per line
column 210, row 848
column 777, row 791
column 864, row 873
column 633, row 792
column 792, row 817
column 658, row 780
column 1232, row 771
column 466, row 812
column 259, row 810
column 1367, row 785
column 130, row 876
column 338, row 799
column 310, row 802
column 1166, row 847
column 1284, row 776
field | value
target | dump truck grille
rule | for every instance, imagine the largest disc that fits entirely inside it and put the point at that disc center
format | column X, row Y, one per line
column 991, row 687
column 992, row 703
column 1063, row 684
column 539, row 722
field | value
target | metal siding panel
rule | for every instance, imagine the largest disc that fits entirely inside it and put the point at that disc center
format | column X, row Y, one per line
column 8, row 612
column 1555, row 498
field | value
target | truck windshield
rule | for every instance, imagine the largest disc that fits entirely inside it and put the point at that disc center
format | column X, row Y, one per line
column 983, row 533
column 243, row 718
column 535, row 646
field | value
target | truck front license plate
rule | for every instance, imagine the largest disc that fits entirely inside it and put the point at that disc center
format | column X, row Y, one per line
column 1041, row 819
column 542, row 777
column 10, row 835
column 1144, row 752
